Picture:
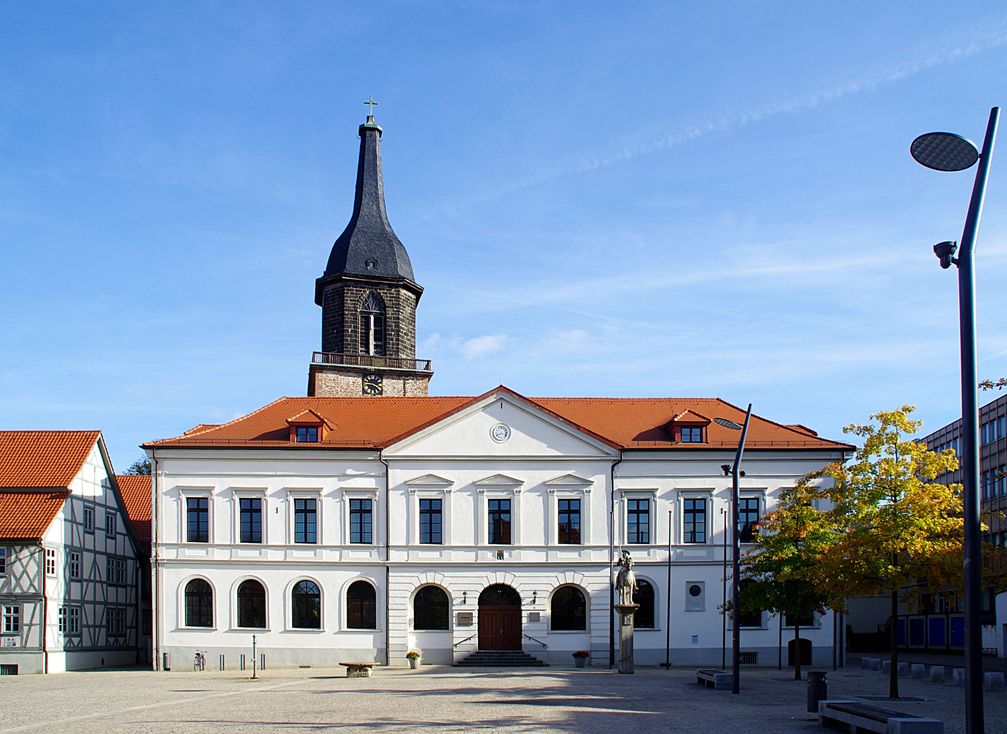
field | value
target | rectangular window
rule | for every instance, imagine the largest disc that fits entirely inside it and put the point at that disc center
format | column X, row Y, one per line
column 75, row 564
column 372, row 333
column 360, row 521
column 694, row 520
column 12, row 619
column 431, row 527
column 74, row 625
column 197, row 516
column 569, row 522
column 638, row 521
column 3, row 560
column 50, row 561
column 88, row 520
column 250, row 511
column 305, row 521
column 748, row 518
column 307, row 434
column 115, row 623
column 691, row 434
column 110, row 570
column 61, row 625
column 109, row 524
column 498, row 515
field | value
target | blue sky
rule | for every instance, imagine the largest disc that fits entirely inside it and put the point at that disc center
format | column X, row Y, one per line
column 706, row 199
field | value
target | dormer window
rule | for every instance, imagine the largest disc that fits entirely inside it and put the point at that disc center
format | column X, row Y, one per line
column 372, row 325
column 306, row 434
column 691, row 434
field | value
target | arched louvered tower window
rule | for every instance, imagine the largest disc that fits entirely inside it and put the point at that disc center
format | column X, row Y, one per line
column 372, row 325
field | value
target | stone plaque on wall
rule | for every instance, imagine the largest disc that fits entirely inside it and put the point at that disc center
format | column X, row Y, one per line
column 534, row 616
column 465, row 619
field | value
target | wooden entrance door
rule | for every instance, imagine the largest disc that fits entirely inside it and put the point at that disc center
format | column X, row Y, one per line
column 499, row 618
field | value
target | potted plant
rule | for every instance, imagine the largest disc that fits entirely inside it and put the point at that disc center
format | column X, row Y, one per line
column 413, row 656
column 580, row 658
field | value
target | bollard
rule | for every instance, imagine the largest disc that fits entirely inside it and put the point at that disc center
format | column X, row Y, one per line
column 919, row 671
column 262, row 661
column 937, row 673
column 993, row 681
column 886, row 666
column 958, row 677
column 874, row 663
column 221, row 662
column 818, row 689
column 241, row 665
column 165, row 665
column 904, row 669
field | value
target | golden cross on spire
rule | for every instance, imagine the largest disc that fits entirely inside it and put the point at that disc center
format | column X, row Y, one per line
column 371, row 103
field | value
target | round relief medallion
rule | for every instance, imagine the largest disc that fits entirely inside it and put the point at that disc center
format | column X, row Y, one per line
column 500, row 432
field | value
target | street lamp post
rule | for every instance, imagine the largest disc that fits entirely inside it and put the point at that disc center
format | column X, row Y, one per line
column 736, row 474
column 949, row 152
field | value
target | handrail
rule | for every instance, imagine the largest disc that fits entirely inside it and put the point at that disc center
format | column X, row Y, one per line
column 533, row 639
column 371, row 360
column 465, row 640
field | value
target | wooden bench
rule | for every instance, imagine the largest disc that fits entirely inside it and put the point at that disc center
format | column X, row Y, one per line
column 358, row 670
column 718, row 680
column 861, row 717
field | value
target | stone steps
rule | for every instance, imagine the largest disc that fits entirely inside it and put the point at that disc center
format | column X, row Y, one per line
column 500, row 659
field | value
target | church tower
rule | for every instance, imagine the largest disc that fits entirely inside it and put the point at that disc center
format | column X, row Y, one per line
column 368, row 298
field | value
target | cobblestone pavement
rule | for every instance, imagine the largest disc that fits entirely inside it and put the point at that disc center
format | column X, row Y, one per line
column 445, row 699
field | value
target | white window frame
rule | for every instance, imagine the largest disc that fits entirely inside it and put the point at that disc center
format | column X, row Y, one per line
column 248, row 493
column 306, row 493
column 234, row 605
column 637, row 494
column 816, row 623
column 74, row 563
column 74, row 619
column 694, row 494
column 50, row 561
column 498, row 487
column 88, row 512
column 360, row 493
column 111, row 524
column 759, row 493
column 61, row 619
column 429, row 493
column 11, row 619
column 657, row 603
column 4, row 556
column 184, row 495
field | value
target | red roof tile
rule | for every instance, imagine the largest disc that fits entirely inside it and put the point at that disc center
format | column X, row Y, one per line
column 26, row 515
column 135, row 490
column 43, row 459
column 368, row 422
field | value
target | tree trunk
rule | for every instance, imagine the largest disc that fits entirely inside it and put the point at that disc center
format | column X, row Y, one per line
column 893, row 674
column 797, row 650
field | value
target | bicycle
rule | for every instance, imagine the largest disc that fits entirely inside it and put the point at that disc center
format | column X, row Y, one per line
column 199, row 662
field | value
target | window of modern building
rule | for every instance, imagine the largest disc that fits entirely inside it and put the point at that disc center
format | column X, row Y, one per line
column 197, row 517
column 361, row 607
column 691, row 434
column 361, row 511
column 250, row 511
column 306, row 434
column 499, row 522
column 251, row 604
column 372, row 325
column 568, row 528
column 88, row 520
column 74, row 564
column 110, row 524
column 198, row 604
column 305, row 520
column 50, row 561
column 748, row 518
column 638, row 521
column 694, row 520
column 431, row 522
column 431, row 609
column 569, row 609
column 644, row 596
column 306, row 606
column 11, row 619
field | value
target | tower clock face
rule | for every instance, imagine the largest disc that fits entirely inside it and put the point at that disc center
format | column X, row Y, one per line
column 372, row 385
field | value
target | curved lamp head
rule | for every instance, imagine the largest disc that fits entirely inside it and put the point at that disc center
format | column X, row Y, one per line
column 944, row 151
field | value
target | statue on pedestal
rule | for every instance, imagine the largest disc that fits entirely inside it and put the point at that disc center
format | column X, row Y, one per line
column 625, row 585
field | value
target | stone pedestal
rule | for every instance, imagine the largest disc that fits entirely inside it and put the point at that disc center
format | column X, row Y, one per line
column 626, row 612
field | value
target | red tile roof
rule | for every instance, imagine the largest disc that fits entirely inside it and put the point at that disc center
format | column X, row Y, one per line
column 26, row 515
column 43, row 459
column 135, row 490
column 367, row 422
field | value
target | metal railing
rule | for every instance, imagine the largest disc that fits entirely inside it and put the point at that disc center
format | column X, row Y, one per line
column 535, row 639
column 371, row 360
column 460, row 642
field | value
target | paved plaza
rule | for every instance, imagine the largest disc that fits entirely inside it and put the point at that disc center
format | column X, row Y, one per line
column 444, row 699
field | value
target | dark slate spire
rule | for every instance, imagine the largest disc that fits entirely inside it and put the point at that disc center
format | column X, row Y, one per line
column 368, row 247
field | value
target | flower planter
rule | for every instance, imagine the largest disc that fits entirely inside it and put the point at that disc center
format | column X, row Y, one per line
column 414, row 663
column 580, row 662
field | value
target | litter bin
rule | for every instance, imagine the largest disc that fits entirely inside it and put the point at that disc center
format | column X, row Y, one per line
column 818, row 689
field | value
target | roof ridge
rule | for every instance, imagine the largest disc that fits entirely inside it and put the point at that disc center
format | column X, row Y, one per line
column 216, row 426
column 784, row 426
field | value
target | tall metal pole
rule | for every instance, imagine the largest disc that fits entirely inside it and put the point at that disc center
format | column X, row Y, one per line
column 723, row 594
column 667, row 614
column 736, row 559
column 970, row 434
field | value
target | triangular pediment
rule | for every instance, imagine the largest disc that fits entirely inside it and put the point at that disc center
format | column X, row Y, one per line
column 498, row 480
column 569, row 480
column 690, row 418
column 502, row 424
column 429, row 480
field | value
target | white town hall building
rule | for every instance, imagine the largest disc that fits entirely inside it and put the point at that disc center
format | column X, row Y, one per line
column 369, row 519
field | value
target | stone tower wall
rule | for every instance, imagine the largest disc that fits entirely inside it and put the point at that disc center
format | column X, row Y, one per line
column 341, row 322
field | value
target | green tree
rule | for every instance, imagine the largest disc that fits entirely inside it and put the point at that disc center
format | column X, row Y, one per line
column 140, row 466
column 783, row 573
column 896, row 527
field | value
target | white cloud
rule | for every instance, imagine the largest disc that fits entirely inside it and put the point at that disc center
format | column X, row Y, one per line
column 481, row 346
